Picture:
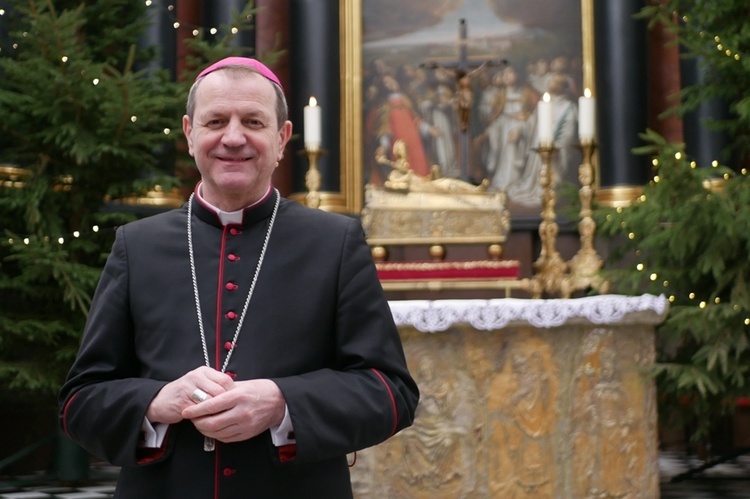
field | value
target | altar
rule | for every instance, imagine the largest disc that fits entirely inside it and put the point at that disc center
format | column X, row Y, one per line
column 524, row 399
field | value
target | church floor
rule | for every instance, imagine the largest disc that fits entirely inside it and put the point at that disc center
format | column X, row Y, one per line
column 728, row 480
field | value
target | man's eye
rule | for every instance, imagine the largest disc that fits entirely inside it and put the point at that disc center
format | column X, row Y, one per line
column 254, row 123
column 214, row 123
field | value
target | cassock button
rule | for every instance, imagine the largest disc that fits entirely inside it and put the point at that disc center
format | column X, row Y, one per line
column 230, row 315
column 235, row 231
column 231, row 374
column 233, row 258
column 228, row 345
column 229, row 471
column 231, row 286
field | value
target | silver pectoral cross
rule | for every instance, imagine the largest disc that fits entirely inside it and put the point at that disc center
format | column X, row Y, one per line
column 209, row 444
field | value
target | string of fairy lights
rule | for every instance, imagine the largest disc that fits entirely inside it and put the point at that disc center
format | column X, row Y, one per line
column 60, row 239
column 717, row 40
column 171, row 11
column 195, row 29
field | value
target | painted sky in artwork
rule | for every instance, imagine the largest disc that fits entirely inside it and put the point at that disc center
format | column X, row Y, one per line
column 481, row 22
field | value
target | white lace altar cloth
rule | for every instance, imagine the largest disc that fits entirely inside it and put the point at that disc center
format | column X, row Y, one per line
column 439, row 315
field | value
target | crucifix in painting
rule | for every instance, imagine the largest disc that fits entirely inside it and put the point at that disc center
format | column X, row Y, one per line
column 464, row 68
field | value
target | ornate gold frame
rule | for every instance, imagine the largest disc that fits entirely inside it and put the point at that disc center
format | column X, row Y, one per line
column 350, row 26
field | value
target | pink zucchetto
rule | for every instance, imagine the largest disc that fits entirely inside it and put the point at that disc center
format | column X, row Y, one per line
column 242, row 61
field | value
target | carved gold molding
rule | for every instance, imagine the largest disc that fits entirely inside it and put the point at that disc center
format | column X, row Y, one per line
column 12, row 176
column 154, row 197
column 620, row 196
column 326, row 201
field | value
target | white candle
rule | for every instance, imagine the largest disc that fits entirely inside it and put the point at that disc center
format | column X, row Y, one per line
column 586, row 116
column 544, row 125
column 312, row 125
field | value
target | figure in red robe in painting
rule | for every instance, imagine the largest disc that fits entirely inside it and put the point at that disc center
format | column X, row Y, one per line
column 396, row 120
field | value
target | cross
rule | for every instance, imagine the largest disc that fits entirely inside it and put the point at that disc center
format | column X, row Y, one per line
column 463, row 68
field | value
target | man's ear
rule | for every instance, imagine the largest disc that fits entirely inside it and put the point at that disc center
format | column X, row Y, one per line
column 187, row 129
column 285, row 133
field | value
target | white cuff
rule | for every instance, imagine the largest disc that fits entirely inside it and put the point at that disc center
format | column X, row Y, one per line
column 283, row 434
column 152, row 436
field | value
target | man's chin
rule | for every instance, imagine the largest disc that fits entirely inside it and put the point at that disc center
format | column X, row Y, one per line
column 242, row 185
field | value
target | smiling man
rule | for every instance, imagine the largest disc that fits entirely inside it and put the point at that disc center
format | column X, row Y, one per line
column 240, row 346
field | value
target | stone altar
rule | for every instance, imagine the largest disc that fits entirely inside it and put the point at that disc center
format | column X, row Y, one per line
column 524, row 399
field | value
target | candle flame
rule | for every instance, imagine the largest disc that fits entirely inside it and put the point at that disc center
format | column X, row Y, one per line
column 546, row 97
column 587, row 93
column 313, row 102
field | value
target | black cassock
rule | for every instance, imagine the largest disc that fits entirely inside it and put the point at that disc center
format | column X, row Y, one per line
column 318, row 325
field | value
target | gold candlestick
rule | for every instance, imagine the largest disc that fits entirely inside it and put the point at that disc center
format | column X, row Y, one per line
column 585, row 265
column 550, row 267
column 312, row 177
column 313, row 196
column 586, row 262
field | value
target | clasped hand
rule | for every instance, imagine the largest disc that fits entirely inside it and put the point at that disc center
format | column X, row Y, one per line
column 234, row 411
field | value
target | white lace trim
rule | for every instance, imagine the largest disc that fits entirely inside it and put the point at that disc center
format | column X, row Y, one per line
column 439, row 315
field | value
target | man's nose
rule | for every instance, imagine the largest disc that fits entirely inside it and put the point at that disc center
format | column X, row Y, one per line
column 234, row 134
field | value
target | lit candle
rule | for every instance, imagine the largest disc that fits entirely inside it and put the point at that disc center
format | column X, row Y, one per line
column 312, row 125
column 544, row 115
column 586, row 116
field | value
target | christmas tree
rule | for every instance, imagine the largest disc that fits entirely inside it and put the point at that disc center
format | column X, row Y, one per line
column 80, row 125
column 688, row 236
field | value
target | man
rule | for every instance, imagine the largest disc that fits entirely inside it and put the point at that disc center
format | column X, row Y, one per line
column 240, row 346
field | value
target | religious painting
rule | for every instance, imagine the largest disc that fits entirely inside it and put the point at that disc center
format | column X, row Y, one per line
column 455, row 83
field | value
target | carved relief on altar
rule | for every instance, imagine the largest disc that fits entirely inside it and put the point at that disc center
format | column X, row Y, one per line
column 608, row 454
column 543, row 413
column 436, row 457
column 523, row 416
